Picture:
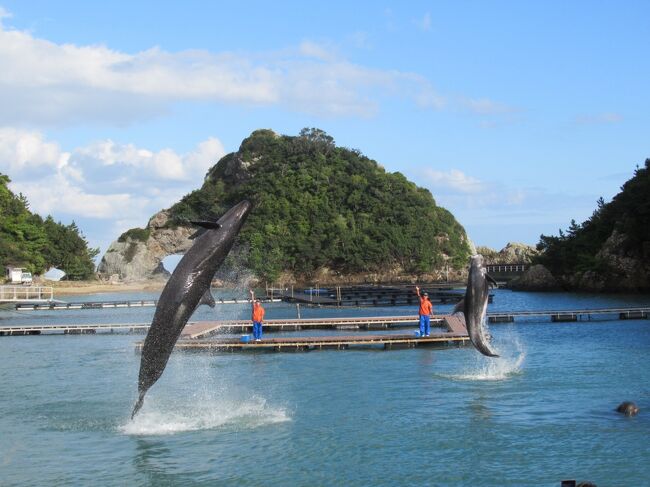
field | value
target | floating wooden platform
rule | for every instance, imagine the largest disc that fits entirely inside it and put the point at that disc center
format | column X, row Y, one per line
column 303, row 344
column 366, row 296
column 634, row 313
column 455, row 336
column 207, row 328
column 202, row 329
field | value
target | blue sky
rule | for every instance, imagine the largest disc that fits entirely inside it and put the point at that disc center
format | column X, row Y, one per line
column 517, row 116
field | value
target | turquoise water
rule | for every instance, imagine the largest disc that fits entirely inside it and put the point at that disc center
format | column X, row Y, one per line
column 541, row 413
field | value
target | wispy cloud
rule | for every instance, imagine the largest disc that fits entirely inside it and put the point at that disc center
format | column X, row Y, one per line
column 477, row 202
column 599, row 118
column 486, row 106
column 453, row 180
column 424, row 23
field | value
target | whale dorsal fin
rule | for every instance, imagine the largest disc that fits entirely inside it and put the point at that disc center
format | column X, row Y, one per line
column 210, row 225
column 208, row 299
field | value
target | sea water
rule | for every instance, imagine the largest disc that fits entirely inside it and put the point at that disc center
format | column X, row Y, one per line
column 541, row 413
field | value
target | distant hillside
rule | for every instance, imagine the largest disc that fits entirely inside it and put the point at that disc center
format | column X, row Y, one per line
column 610, row 251
column 28, row 241
column 317, row 206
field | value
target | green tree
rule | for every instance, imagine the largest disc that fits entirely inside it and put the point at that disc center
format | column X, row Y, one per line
column 28, row 241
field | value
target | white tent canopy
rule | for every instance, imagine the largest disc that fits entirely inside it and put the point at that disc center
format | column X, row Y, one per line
column 54, row 274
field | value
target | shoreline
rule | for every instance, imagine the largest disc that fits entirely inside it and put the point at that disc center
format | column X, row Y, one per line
column 68, row 288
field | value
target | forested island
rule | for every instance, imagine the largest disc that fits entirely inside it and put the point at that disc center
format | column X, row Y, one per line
column 320, row 209
column 36, row 244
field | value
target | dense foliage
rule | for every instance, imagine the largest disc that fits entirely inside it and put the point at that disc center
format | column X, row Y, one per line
column 628, row 213
column 318, row 205
column 140, row 234
column 28, row 241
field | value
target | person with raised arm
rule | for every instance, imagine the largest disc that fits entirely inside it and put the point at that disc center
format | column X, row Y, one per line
column 426, row 308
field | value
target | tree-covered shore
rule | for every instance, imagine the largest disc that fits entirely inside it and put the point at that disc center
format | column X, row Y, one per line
column 610, row 251
column 29, row 241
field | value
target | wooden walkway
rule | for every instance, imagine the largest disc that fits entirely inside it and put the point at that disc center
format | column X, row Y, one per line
column 331, row 342
column 455, row 336
column 202, row 329
column 141, row 303
column 571, row 315
column 362, row 296
column 195, row 330
column 207, row 328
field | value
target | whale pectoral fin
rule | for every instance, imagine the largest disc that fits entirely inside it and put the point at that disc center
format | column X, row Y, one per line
column 208, row 299
column 491, row 280
column 210, row 225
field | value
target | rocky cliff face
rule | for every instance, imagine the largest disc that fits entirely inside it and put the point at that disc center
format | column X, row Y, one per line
column 512, row 253
column 135, row 260
column 537, row 278
column 618, row 270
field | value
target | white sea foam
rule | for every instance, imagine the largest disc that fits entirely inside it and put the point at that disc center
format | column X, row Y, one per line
column 163, row 419
column 508, row 364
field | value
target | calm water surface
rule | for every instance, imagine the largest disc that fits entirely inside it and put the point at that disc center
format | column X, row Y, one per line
column 541, row 413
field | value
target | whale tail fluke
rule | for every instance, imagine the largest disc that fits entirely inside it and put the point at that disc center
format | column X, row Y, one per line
column 138, row 405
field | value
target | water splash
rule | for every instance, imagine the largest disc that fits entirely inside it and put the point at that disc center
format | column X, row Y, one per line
column 509, row 364
column 155, row 419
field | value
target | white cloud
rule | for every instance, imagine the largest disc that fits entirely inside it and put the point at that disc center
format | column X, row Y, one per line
column 424, row 23
column 20, row 150
column 58, row 195
column 42, row 82
column 102, row 180
column 453, row 180
column 599, row 118
column 485, row 106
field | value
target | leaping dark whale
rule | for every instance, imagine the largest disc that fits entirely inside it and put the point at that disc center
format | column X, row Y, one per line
column 474, row 305
column 187, row 288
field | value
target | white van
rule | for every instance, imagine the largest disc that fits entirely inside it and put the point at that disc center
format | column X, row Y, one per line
column 26, row 278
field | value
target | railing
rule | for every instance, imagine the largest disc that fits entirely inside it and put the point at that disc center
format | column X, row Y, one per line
column 26, row 293
column 496, row 268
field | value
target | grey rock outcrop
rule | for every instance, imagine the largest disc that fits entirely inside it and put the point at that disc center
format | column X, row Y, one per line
column 537, row 278
column 134, row 260
column 512, row 253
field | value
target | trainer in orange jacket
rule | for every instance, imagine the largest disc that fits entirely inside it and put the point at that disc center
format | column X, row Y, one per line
column 258, row 316
column 426, row 308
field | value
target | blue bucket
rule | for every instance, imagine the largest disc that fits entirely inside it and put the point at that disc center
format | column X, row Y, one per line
column 245, row 338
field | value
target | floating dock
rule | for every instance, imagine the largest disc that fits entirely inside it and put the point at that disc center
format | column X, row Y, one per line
column 571, row 315
column 455, row 336
column 202, row 329
column 140, row 303
column 358, row 296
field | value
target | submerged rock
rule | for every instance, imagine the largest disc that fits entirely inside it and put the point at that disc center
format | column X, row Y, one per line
column 628, row 408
